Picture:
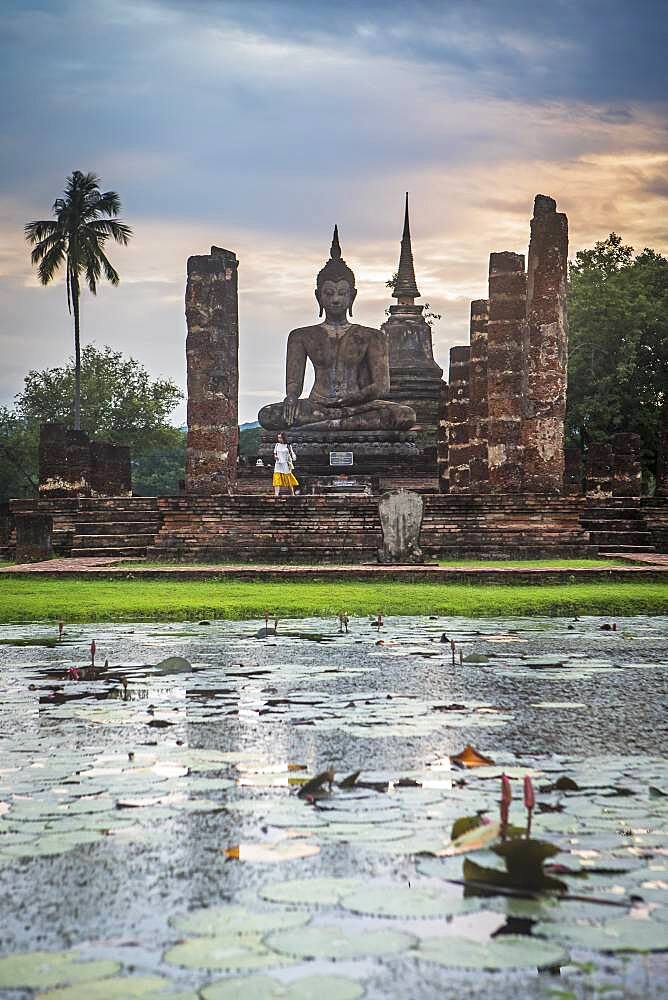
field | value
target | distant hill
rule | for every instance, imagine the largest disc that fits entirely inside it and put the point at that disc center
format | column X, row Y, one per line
column 249, row 425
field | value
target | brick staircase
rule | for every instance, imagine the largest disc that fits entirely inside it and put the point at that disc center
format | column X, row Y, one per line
column 115, row 526
column 617, row 525
column 655, row 510
column 347, row 529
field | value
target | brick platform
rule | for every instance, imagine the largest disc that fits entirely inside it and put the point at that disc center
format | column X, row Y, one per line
column 336, row 529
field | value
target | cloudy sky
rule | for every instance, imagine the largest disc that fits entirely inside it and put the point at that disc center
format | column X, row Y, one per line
column 258, row 124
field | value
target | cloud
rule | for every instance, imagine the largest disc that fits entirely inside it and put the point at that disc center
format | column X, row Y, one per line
column 258, row 125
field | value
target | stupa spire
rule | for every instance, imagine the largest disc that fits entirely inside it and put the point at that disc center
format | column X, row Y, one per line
column 405, row 287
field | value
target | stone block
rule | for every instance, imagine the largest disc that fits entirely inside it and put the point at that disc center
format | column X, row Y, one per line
column 64, row 461
column 111, row 470
column 401, row 514
column 573, row 471
column 458, row 420
column 598, row 476
column 34, row 537
column 442, row 453
column 627, row 475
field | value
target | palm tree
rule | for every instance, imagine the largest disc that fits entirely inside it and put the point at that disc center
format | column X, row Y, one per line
column 85, row 219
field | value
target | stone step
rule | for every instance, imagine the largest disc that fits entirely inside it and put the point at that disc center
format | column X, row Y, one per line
column 120, row 551
column 105, row 542
column 626, row 537
column 624, row 549
column 117, row 527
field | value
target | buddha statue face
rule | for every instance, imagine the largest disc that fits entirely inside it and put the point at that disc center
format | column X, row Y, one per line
column 335, row 298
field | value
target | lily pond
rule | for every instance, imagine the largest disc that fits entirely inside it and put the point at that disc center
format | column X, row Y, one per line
column 227, row 810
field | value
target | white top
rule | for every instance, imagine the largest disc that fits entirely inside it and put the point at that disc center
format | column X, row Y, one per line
column 283, row 453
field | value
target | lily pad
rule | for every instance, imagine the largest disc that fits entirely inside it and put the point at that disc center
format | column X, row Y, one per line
column 38, row 970
column 310, row 891
column 335, row 942
column 224, row 952
column 625, row 934
column 506, row 952
column 221, row 920
column 266, row 988
column 116, row 988
column 391, row 901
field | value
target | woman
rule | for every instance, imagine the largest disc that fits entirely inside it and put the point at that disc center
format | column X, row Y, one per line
column 284, row 463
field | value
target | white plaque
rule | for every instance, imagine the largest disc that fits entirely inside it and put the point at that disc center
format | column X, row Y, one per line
column 340, row 458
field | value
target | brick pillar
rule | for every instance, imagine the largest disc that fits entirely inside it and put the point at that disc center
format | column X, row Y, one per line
column 64, row 461
column 442, row 450
column 506, row 331
column 34, row 534
column 458, row 420
column 478, row 464
column 626, row 474
column 212, row 351
column 546, row 349
column 573, row 471
column 111, row 471
column 599, row 470
column 662, row 453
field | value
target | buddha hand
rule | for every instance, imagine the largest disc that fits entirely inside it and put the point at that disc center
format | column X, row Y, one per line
column 290, row 409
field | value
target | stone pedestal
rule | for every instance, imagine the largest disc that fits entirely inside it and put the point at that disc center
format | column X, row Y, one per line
column 546, row 350
column 599, row 470
column 443, row 449
column 34, row 537
column 626, row 472
column 573, row 471
column 64, row 461
column 506, row 333
column 415, row 378
column 212, row 351
column 478, row 463
column 374, row 453
column 458, row 420
column 111, row 472
column 401, row 520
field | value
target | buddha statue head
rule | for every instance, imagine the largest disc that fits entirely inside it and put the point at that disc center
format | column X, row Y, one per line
column 335, row 285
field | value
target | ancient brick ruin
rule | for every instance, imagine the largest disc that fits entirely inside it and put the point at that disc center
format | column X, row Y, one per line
column 71, row 465
column 212, row 353
column 514, row 396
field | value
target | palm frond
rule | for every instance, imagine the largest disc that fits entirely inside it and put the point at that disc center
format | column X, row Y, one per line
column 111, row 227
column 109, row 203
column 40, row 230
column 93, row 270
column 43, row 247
column 110, row 272
column 51, row 263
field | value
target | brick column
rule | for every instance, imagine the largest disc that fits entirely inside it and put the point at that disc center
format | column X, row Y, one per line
column 458, row 419
column 506, row 329
column 443, row 442
column 662, row 454
column 478, row 464
column 546, row 349
column 212, row 351
column 599, row 470
column 573, row 471
column 626, row 473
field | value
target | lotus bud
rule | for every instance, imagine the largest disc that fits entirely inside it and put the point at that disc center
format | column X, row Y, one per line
column 92, row 652
column 506, row 799
column 529, row 801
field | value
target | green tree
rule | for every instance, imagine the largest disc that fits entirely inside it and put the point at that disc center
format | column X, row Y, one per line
column 120, row 402
column 158, row 472
column 85, row 220
column 618, row 344
column 18, row 456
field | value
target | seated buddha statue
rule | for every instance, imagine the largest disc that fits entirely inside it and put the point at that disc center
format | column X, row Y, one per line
column 351, row 366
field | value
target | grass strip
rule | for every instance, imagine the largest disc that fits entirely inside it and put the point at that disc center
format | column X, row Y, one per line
column 29, row 599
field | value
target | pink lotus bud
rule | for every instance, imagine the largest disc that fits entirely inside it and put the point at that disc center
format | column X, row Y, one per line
column 529, row 794
column 506, row 798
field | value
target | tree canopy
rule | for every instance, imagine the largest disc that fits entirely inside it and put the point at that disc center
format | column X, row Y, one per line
column 618, row 344
column 120, row 402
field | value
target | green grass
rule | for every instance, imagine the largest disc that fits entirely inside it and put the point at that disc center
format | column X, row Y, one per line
column 32, row 599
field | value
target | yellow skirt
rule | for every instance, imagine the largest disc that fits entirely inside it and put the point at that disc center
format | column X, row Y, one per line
column 284, row 479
